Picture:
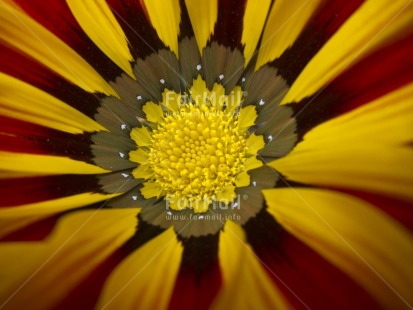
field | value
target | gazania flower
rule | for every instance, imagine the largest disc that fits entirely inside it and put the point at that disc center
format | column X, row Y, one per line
column 206, row 154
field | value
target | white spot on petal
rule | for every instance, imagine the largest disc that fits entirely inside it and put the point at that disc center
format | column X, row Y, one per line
column 201, row 217
column 162, row 81
column 262, row 102
column 270, row 137
column 122, row 154
column 125, row 175
column 254, row 183
column 135, row 197
column 198, row 67
column 221, row 76
column 169, row 213
column 243, row 80
column 123, row 126
column 139, row 97
column 235, row 205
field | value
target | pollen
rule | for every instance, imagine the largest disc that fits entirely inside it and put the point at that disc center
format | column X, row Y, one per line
column 197, row 154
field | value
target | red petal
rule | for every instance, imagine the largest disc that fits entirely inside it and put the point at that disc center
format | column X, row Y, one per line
column 33, row 232
column 199, row 277
column 305, row 277
column 18, row 65
column 19, row 191
column 193, row 292
column 400, row 210
column 133, row 19
column 378, row 74
column 86, row 294
column 57, row 17
column 228, row 27
column 325, row 22
column 20, row 136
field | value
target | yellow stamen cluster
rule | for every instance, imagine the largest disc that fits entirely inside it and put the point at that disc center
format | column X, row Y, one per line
column 196, row 153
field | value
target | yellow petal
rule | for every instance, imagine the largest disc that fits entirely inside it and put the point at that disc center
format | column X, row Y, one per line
column 234, row 99
column 13, row 4
column 243, row 276
column 243, row 179
column 28, row 103
column 252, row 163
column 373, row 25
column 227, row 194
column 366, row 166
column 55, row 266
column 171, row 100
column 141, row 136
column 151, row 189
column 217, row 96
column 353, row 235
column 352, row 151
column 99, row 23
column 145, row 279
column 153, row 112
column 285, row 23
column 10, row 161
column 247, row 116
column 13, row 218
column 394, row 113
column 20, row 31
column 142, row 172
column 199, row 90
column 177, row 204
column 165, row 17
column 254, row 20
column 255, row 143
column 139, row 156
column 18, row 174
column 199, row 206
column 203, row 16
column 49, row 207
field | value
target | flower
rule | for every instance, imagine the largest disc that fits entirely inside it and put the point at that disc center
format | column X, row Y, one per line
column 206, row 154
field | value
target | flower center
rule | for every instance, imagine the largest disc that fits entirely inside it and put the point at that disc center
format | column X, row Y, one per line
column 196, row 153
column 196, row 150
